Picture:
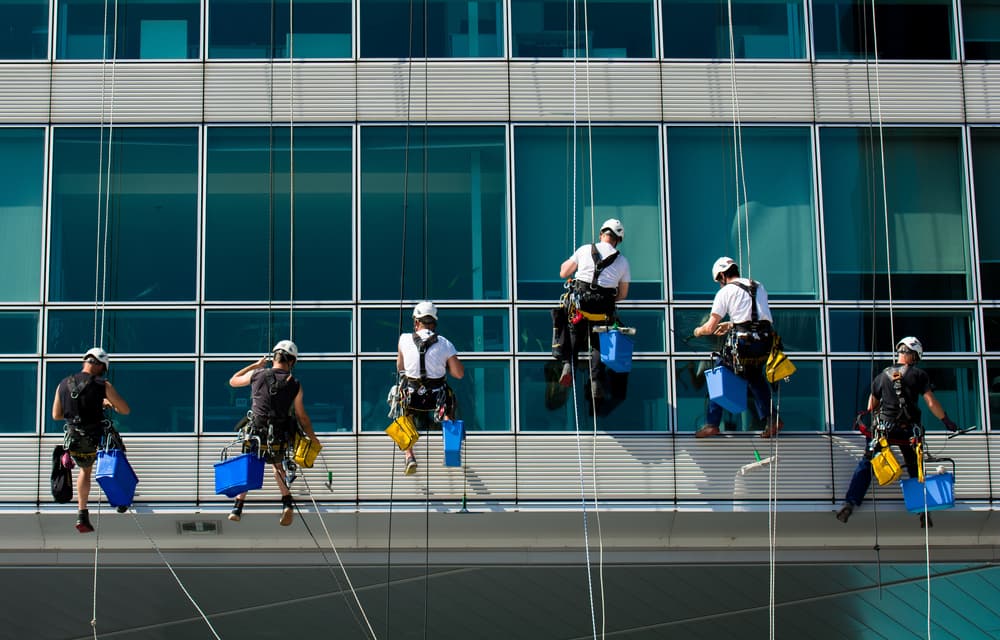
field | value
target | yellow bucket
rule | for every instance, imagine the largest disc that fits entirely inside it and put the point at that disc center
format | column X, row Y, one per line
column 403, row 432
column 306, row 451
column 885, row 465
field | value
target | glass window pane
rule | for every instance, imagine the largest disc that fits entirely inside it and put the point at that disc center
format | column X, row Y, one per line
column 222, row 406
column 160, row 331
column 993, row 378
column 985, row 168
column 160, row 394
column 453, row 29
column 22, row 163
column 800, row 330
column 248, row 211
column 535, row 329
column 761, row 29
column 377, row 377
column 455, row 214
column 604, row 29
column 991, row 329
column 19, row 332
column 154, row 194
column 955, row 383
column 147, row 29
column 928, row 222
column 981, row 29
column 256, row 28
column 938, row 331
column 258, row 331
column 470, row 330
column 780, row 217
column 626, row 170
column 484, row 395
column 25, row 25
column 546, row 406
column 907, row 29
column 20, row 379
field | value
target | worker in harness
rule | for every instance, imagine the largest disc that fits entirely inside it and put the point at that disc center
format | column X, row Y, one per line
column 81, row 400
column 424, row 359
column 601, row 277
column 276, row 413
column 749, row 337
column 895, row 416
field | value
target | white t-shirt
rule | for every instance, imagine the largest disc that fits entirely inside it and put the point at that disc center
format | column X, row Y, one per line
column 617, row 271
column 435, row 359
column 738, row 304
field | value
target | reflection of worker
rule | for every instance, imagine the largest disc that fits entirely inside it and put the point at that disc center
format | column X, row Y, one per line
column 602, row 277
column 276, row 403
column 749, row 338
column 893, row 403
column 425, row 359
column 81, row 400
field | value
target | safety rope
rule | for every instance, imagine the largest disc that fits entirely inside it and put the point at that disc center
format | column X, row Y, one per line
column 97, row 546
column 291, row 170
column 739, row 166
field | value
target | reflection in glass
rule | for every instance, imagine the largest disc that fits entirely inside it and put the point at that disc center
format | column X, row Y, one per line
column 19, row 332
column 22, row 164
column 159, row 331
column 452, row 28
column 604, row 29
column 535, row 329
column 470, row 330
column 761, row 29
column 985, row 142
column 938, row 331
column 981, row 29
column 800, row 330
column 245, row 29
column 147, row 29
column 907, row 29
column 245, row 331
column 20, row 380
column 25, row 28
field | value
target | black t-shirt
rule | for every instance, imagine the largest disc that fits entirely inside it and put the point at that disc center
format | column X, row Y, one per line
column 914, row 383
column 273, row 393
column 87, row 407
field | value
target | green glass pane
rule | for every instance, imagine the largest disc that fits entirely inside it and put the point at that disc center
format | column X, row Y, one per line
column 259, row 29
column 985, row 167
column 484, row 395
column 851, row 330
column 475, row 330
column 453, row 29
column 955, row 384
column 455, row 214
column 626, row 172
column 799, row 330
column 991, row 329
column 20, row 379
column 993, row 379
column 981, row 29
column 159, row 331
column 160, row 394
column 19, row 332
column 25, row 25
column 603, row 29
column 257, row 331
column 154, row 194
column 545, row 406
column 222, row 406
column 776, row 229
column 760, row 29
column 928, row 234
column 248, row 213
column 22, row 163
column 377, row 377
column 147, row 29
column 907, row 29
column 535, row 329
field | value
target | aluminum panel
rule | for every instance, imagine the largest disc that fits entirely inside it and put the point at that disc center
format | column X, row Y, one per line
column 457, row 91
column 854, row 92
column 26, row 469
column 25, row 95
column 619, row 91
column 131, row 92
column 982, row 92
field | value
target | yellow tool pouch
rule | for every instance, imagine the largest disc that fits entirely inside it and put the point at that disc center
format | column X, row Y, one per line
column 885, row 465
column 593, row 317
column 403, row 432
column 306, row 451
column 778, row 365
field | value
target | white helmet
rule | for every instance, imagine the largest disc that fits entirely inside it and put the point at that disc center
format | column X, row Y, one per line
column 721, row 266
column 614, row 225
column 913, row 345
column 286, row 346
column 425, row 309
column 98, row 354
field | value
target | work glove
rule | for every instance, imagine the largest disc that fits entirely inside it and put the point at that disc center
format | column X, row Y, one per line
column 949, row 424
column 860, row 425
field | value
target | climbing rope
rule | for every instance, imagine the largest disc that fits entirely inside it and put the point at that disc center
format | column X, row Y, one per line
column 739, row 166
column 291, row 171
column 97, row 546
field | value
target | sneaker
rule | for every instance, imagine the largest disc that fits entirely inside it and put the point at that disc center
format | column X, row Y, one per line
column 774, row 425
column 122, row 508
column 287, row 512
column 845, row 512
column 707, row 431
column 237, row 513
column 925, row 525
column 411, row 467
column 83, row 522
column 566, row 377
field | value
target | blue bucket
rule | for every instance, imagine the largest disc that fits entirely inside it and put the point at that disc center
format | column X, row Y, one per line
column 727, row 389
column 453, row 432
column 116, row 477
column 616, row 350
column 237, row 475
column 940, row 492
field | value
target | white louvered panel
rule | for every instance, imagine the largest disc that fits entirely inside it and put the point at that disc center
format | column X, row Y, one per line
column 165, row 467
column 629, row 467
column 982, row 92
column 141, row 92
column 323, row 92
column 619, row 91
column 239, row 91
column 25, row 94
column 767, row 92
column 26, row 469
column 488, row 460
column 907, row 92
column 710, row 469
